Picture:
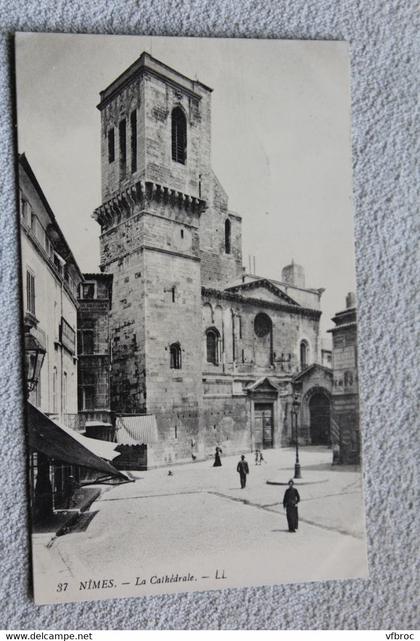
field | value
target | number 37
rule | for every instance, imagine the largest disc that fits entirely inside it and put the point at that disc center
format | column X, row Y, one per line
column 62, row 587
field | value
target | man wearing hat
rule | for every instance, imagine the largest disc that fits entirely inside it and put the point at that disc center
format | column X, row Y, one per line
column 243, row 469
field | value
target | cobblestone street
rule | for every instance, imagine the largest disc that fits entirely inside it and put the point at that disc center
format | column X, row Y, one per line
column 198, row 522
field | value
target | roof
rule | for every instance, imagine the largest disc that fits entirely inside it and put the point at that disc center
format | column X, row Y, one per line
column 308, row 369
column 319, row 291
column 64, row 444
column 240, row 297
column 153, row 66
column 333, row 330
column 98, row 276
column 24, row 163
column 267, row 284
column 136, row 430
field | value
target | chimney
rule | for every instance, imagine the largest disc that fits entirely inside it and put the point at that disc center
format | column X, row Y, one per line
column 350, row 300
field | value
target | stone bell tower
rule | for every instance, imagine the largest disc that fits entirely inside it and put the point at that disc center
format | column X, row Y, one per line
column 156, row 179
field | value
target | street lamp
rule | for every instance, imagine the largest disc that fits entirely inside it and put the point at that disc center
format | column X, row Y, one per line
column 34, row 358
column 295, row 411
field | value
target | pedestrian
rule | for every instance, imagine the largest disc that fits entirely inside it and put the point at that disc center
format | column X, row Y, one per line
column 336, row 454
column 290, row 500
column 193, row 456
column 243, row 470
column 258, row 457
column 217, row 459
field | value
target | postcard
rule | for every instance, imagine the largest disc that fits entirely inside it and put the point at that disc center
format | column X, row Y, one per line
column 189, row 314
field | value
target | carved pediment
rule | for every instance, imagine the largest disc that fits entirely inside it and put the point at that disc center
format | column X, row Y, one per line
column 263, row 289
column 311, row 370
column 264, row 384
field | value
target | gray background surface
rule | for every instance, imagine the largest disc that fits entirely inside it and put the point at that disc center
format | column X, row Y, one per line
column 381, row 35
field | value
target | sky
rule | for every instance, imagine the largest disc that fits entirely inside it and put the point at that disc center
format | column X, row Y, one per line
column 281, row 141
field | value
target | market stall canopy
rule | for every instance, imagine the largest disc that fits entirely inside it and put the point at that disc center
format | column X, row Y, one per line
column 135, row 430
column 64, row 444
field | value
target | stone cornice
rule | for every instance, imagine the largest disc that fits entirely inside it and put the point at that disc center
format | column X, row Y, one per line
column 314, row 314
column 143, row 191
column 142, row 248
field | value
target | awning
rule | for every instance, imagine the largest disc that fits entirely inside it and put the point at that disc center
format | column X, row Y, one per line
column 64, row 444
column 135, row 430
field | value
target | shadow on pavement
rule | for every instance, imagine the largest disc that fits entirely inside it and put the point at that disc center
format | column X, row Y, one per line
column 80, row 525
column 324, row 467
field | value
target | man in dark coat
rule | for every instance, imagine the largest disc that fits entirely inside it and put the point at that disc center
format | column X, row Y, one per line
column 243, row 470
column 290, row 500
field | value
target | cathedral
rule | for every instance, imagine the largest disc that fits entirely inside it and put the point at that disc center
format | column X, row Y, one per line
column 204, row 354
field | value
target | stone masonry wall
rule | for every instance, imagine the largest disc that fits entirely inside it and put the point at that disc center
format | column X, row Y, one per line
column 160, row 99
column 226, row 423
column 289, row 328
column 172, row 316
column 130, row 99
column 127, row 334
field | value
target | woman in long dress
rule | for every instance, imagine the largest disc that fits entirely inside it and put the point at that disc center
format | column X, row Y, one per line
column 217, row 459
column 290, row 500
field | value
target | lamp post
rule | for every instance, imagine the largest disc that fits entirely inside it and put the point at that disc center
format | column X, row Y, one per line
column 295, row 411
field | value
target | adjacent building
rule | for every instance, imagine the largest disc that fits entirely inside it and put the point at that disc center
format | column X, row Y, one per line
column 59, row 455
column 345, row 393
column 51, row 278
column 94, row 355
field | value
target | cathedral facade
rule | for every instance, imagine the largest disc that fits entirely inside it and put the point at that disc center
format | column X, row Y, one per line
column 214, row 354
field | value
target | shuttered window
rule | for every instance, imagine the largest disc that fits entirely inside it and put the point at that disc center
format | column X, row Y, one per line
column 179, row 136
column 133, row 126
column 123, row 148
column 30, row 292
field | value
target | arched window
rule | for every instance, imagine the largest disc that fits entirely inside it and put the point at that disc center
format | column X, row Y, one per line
column 175, row 356
column 303, row 354
column 179, row 136
column 227, row 236
column 212, row 345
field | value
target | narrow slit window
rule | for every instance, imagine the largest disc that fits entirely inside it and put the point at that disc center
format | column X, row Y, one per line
column 123, row 148
column 303, row 354
column 111, row 145
column 227, row 236
column 133, row 125
column 179, row 136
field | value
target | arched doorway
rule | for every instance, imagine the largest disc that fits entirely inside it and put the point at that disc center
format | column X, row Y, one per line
column 319, row 416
